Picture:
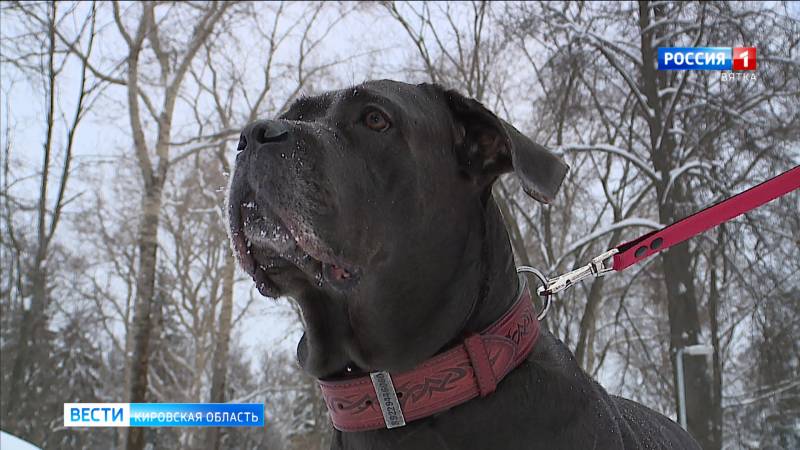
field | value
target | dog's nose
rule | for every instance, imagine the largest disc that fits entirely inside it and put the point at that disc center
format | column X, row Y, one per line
column 263, row 132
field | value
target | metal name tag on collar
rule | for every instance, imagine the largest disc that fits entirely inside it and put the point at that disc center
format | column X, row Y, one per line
column 387, row 398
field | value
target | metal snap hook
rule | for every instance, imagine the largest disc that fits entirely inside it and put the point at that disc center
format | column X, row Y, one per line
column 541, row 291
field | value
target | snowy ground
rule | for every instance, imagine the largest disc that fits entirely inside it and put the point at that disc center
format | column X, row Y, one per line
column 9, row 442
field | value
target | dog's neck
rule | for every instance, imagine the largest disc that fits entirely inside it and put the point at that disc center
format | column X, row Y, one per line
column 495, row 291
column 497, row 286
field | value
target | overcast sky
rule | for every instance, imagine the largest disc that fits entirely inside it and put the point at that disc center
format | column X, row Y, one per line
column 373, row 45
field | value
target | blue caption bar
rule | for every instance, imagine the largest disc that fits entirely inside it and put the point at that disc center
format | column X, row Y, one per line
column 695, row 58
column 163, row 415
column 197, row 415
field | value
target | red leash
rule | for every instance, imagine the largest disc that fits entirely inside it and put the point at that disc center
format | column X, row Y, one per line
column 475, row 367
column 632, row 252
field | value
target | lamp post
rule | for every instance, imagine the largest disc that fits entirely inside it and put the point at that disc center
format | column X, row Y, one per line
column 692, row 350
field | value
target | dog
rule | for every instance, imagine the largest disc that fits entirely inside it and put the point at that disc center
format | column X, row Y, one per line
column 372, row 208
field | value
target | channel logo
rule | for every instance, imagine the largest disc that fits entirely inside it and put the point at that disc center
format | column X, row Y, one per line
column 163, row 414
column 707, row 58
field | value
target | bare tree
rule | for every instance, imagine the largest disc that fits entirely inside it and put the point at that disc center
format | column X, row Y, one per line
column 48, row 64
column 235, row 103
column 108, row 228
column 668, row 131
column 627, row 132
column 149, row 304
column 173, row 59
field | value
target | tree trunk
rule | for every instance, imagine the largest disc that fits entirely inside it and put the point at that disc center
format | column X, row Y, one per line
column 684, row 324
column 33, row 321
column 220, row 361
column 583, row 349
column 145, row 289
column 713, row 308
column 684, row 321
column 32, row 325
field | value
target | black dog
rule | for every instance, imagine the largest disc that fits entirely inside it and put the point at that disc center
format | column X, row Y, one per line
column 372, row 208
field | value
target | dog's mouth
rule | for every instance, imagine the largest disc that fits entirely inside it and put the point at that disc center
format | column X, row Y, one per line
column 267, row 248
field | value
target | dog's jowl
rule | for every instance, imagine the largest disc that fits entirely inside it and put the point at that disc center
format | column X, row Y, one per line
column 372, row 208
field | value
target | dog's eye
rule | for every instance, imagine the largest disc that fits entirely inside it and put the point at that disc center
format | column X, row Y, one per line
column 376, row 120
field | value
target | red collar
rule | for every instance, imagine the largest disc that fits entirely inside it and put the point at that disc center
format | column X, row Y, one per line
column 448, row 379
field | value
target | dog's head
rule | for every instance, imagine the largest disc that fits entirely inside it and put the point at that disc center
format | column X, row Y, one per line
column 360, row 204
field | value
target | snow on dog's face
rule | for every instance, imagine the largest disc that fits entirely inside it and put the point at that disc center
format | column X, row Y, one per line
column 358, row 204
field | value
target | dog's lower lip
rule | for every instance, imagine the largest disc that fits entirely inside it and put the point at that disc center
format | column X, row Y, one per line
column 264, row 285
column 274, row 266
column 340, row 276
column 269, row 264
column 277, row 248
column 339, row 273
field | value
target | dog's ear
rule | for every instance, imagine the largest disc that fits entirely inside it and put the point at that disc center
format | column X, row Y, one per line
column 487, row 146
